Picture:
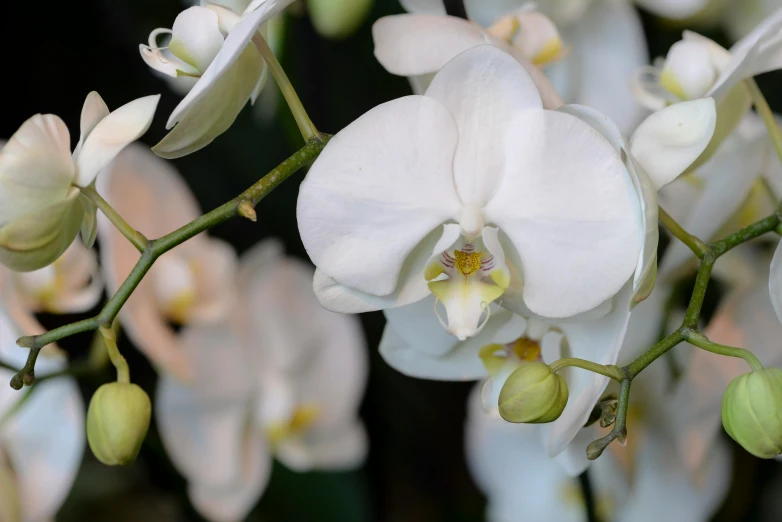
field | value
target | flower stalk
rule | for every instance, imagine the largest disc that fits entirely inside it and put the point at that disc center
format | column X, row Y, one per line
column 610, row 371
column 157, row 247
column 134, row 236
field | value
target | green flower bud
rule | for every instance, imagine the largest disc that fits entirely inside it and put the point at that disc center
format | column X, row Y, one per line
column 338, row 18
column 752, row 412
column 533, row 393
column 117, row 422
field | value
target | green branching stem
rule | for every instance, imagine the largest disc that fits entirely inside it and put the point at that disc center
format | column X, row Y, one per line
column 610, row 371
column 307, row 128
column 134, row 236
column 688, row 331
column 157, row 247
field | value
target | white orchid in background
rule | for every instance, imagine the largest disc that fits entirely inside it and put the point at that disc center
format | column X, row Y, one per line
column 338, row 18
column 41, row 205
column 38, row 464
column 590, row 60
column 212, row 43
column 732, row 189
column 190, row 285
column 283, row 379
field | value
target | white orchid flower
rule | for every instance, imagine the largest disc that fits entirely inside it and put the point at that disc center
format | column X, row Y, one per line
column 595, row 34
column 41, row 206
column 212, row 43
column 740, row 18
column 38, row 464
column 285, row 380
column 420, row 168
column 189, row 285
column 732, row 189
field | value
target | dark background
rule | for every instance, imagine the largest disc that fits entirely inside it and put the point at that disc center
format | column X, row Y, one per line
column 56, row 52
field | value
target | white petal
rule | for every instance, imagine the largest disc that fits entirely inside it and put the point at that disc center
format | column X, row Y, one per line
column 93, row 111
column 35, row 167
column 608, row 46
column 689, row 69
column 668, row 141
column 435, row 7
column 344, row 448
column 411, row 45
column 532, row 491
column 362, row 237
column 775, row 281
column 564, row 191
column 269, row 7
column 485, row 90
column 112, row 134
column 723, row 193
column 675, row 9
column 598, row 341
column 46, row 460
column 461, row 362
column 411, row 288
column 196, row 37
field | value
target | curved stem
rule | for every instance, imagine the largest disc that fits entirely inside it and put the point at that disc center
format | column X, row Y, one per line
column 119, row 362
column 612, row 372
column 698, row 247
column 307, row 128
column 156, row 248
column 765, row 112
column 133, row 235
column 701, row 341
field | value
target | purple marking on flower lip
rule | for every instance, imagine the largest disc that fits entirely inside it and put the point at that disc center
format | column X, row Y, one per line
column 468, row 248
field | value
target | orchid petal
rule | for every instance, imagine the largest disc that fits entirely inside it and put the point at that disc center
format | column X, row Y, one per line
column 374, row 226
column 112, row 134
column 668, row 141
column 775, row 281
column 35, row 167
column 195, row 37
column 548, row 201
column 598, row 341
column 93, row 111
column 487, row 85
column 461, row 362
column 435, row 7
column 45, row 461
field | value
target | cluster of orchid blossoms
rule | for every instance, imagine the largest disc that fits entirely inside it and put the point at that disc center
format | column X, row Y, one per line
column 509, row 237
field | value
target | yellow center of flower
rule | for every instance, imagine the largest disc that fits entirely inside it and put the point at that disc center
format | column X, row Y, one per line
column 526, row 349
column 467, row 262
column 302, row 419
column 550, row 52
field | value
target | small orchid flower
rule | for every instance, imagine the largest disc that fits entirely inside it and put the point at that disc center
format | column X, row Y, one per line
column 572, row 46
column 41, row 206
column 210, row 43
column 420, row 168
column 38, row 464
column 284, row 380
column 189, row 285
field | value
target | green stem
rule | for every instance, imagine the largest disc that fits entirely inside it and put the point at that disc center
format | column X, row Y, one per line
column 701, row 341
column 698, row 247
column 765, row 112
column 133, row 235
column 693, row 312
column 656, row 351
column 156, row 248
column 307, row 128
column 119, row 362
column 612, row 372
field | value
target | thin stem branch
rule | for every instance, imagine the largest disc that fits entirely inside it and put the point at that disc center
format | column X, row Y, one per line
column 134, row 236
column 119, row 362
column 701, row 341
column 307, row 128
column 156, row 248
column 612, row 372
column 765, row 112
column 698, row 247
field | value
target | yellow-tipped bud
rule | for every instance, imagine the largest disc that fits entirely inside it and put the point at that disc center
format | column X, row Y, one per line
column 752, row 412
column 117, row 422
column 533, row 393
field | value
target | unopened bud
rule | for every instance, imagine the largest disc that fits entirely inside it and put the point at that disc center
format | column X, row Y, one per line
column 752, row 411
column 338, row 18
column 117, row 422
column 533, row 393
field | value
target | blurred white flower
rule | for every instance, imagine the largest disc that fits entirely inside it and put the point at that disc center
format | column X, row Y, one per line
column 41, row 441
column 189, row 285
column 41, row 206
column 338, row 18
column 590, row 60
column 420, row 168
column 283, row 379
column 210, row 43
